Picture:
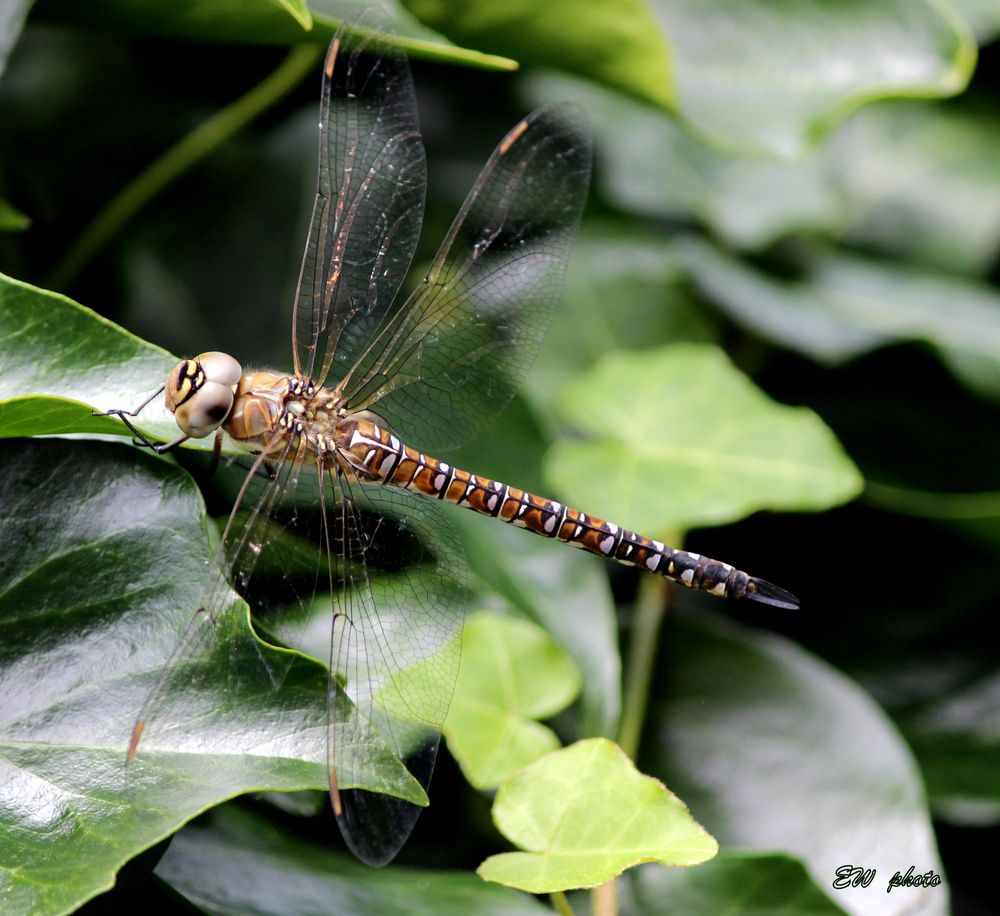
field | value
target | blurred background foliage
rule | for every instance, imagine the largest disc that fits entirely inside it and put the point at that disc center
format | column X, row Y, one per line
column 813, row 188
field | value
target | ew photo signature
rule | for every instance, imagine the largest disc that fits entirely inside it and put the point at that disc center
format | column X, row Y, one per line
column 858, row 876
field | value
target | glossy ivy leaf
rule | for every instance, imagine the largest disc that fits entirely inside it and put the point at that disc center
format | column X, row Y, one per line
column 103, row 558
column 583, row 815
column 513, row 674
column 732, row 882
column 235, row 862
column 62, row 360
column 681, row 438
column 269, row 22
column 862, row 303
column 775, row 78
column 12, row 219
column 776, row 750
column 617, row 43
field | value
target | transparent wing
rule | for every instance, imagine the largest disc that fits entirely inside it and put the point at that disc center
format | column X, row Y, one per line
column 216, row 662
column 386, row 613
column 454, row 353
column 368, row 581
column 369, row 200
column 395, row 650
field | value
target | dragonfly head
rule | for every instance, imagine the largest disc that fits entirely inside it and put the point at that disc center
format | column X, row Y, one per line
column 200, row 392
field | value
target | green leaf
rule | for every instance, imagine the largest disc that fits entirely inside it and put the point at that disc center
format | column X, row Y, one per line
column 617, row 43
column 585, row 814
column 775, row 750
column 268, row 22
column 103, row 558
column 774, row 78
column 875, row 301
column 732, row 882
column 234, row 862
column 512, row 674
column 62, row 360
column 12, row 219
column 681, row 438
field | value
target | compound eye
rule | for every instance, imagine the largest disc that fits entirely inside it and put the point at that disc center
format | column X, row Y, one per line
column 220, row 367
column 186, row 378
column 205, row 411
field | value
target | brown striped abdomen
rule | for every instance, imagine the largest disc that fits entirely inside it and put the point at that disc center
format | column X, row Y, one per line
column 377, row 453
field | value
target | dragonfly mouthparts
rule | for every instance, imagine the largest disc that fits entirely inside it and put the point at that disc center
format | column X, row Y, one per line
column 767, row 593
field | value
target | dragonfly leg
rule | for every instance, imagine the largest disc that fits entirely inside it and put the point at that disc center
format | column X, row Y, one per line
column 139, row 438
column 216, row 454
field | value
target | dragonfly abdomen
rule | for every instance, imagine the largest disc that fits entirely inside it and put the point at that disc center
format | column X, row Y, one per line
column 388, row 460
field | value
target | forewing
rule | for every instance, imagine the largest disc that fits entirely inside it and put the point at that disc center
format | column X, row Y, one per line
column 369, row 200
column 216, row 662
column 453, row 355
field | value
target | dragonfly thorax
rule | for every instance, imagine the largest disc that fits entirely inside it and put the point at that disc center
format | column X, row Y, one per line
column 275, row 412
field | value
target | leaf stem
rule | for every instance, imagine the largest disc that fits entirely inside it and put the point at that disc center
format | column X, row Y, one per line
column 652, row 601
column 604, row 899
column 179, row 159
column 560, row 903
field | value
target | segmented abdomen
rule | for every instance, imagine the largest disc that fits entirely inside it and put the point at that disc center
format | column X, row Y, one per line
column 391, row 462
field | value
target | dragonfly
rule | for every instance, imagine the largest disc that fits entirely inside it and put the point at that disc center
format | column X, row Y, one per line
column 375, row 373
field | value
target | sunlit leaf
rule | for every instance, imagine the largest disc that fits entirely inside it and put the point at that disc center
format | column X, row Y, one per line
column 585, row 814
column 776, row 750
column 235, row 862
column 680, row 438
column 513, row 673
column 104, row 558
